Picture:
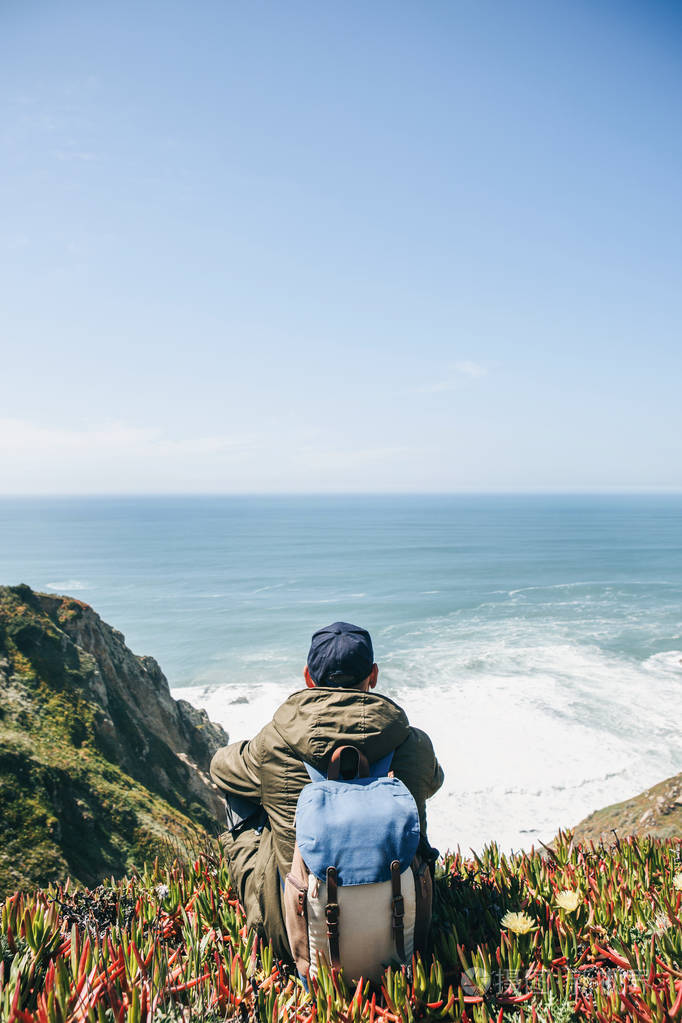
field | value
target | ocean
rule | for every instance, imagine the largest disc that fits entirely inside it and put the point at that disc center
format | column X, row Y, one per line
column 538, row 639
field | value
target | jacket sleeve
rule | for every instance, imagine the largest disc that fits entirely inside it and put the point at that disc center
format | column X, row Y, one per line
column 236, row 769
column 416, row 765
column 432, row 772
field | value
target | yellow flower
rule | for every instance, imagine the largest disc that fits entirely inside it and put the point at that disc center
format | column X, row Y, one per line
column 568, row 900
column 677, row 881
column 519, row 923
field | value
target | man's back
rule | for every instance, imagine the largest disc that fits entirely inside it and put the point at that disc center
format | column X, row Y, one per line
column 267, row 774
column 307, row 728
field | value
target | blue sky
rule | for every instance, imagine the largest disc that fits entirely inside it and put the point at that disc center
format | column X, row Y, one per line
column 340, row 246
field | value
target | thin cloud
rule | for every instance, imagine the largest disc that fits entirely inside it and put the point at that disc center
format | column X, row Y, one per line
column 83, row 155
column 343, row 458
column 457, row 373
column 468, row 368
column 22, row 438
column 123, row 458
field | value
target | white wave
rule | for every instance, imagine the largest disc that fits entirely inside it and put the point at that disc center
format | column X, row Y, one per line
column 669, row 661
column 68, row 585
column 532, row 737
column 265, row 657
column 241, row 709
column 550, row 587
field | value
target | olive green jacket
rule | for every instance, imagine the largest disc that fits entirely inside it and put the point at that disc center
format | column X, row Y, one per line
column 308, row 727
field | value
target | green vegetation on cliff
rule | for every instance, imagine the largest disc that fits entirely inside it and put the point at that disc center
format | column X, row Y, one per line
column 98, row 765
column 657, row 811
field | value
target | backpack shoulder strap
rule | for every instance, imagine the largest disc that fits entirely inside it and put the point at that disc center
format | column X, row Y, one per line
column 341, row 760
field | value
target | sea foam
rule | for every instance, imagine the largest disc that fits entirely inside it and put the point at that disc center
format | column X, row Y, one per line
column 531, row 737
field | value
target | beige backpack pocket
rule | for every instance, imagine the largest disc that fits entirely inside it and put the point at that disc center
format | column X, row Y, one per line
column 296, row 912
column 366, row 936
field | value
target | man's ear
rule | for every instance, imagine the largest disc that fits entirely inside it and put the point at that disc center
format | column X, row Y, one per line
column 308, row 680
column 373, row 675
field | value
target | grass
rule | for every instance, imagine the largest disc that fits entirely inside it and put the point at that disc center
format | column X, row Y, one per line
column 584, row 932
column 87, row 789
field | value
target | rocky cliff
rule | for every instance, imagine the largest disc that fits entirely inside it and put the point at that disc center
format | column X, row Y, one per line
column 99, row 766
column 657, row 811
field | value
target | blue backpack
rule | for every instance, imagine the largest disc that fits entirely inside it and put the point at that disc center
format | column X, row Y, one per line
column 358, row 895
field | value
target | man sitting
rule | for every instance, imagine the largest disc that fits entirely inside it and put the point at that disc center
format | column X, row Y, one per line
column 263, row 778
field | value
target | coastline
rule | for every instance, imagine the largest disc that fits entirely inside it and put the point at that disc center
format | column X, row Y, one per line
column 501, row 783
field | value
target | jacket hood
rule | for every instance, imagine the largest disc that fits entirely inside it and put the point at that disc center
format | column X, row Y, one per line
column 313, row 722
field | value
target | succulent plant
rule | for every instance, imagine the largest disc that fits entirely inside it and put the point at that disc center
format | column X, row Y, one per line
column 576, row 932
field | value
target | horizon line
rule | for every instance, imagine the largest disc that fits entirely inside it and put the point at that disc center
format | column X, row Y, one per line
column 463, row 492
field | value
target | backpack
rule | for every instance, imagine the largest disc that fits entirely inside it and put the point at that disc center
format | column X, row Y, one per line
column 358, row 895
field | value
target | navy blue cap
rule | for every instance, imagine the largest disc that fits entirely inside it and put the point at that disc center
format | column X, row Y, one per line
column 340, row 655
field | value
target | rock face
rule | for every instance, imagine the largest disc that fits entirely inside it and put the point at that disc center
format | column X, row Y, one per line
column 99, row 765
column 657, row 811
